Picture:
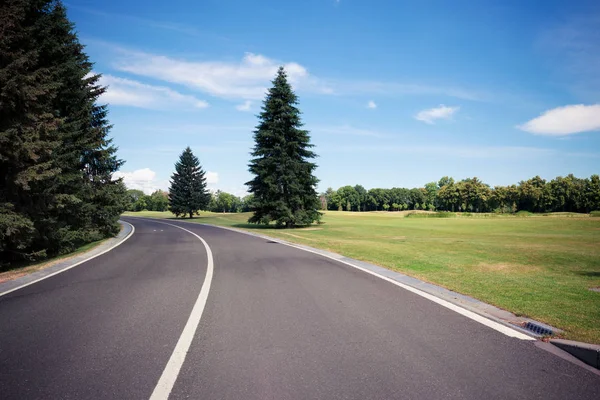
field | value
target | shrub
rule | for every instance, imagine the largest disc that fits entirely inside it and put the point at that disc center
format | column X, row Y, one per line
column 439, row 214
column 595, row 214
column 524, row 213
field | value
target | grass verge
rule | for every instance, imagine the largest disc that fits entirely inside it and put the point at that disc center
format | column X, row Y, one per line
column 541, row 267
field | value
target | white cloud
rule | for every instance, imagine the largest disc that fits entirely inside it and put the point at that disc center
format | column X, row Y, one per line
column 127, row 92
column 245, row 106
column 212, row 178
column 142, row 179
column 145, row 180
column 246, row 79
column 249, row 77
column 565, row 120
column 371, row 104
column 442, row 112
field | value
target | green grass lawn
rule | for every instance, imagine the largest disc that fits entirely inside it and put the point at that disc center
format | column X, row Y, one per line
column 540, row 267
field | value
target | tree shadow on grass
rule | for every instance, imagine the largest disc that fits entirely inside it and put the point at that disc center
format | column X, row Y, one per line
column 247, row 225
column 590, row 274
column 272, row 227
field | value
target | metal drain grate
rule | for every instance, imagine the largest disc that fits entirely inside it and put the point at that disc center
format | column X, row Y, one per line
column 539, row 329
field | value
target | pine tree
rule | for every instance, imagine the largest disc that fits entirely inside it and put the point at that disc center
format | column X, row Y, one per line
column 188, row 193
column 56, row 161
column 284, row 186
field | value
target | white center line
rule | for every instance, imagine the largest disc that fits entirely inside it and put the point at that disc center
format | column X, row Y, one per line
column 169, row 376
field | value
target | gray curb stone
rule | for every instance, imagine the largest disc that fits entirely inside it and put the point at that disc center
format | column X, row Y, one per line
column 9, row 286
column 588, row 353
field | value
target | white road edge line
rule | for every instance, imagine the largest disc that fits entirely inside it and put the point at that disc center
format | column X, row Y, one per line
column 72, row 266
column 469, row 314
column 171, row 372
column 508, row 331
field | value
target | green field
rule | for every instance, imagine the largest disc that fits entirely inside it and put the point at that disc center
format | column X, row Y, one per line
column 536, row 266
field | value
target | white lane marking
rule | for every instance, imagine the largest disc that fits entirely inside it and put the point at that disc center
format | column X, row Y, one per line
column 169, row 376
column 506, row 330
column 72, row 266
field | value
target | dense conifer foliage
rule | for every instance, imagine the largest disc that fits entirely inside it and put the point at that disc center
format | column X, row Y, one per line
column 56, row 159
column 284, row 186
column 188, row 193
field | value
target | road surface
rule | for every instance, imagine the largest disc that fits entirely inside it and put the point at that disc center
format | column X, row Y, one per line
column 277, row 323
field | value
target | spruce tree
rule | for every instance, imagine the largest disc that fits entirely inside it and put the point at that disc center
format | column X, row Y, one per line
column 284, row 186
column 56, row 160
column 188, row 193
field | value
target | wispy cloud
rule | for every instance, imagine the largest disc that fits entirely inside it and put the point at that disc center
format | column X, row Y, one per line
column 246, row 79
column 371, row 105
column 127, row 92
column 565, row 120
column 245, row 106
column 429, row 116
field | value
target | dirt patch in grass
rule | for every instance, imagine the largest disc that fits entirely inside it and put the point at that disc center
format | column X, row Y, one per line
column 507, row 268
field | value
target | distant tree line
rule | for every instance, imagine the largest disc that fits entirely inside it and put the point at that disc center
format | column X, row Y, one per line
column 221, row 202
column 56, row 158
column 570, row 194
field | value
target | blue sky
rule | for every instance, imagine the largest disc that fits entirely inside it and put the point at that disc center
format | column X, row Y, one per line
column 395, row 93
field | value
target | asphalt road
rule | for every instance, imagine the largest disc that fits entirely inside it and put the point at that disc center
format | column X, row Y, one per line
column 279, row 323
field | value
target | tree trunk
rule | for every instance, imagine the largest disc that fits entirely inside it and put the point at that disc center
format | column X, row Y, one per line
column 191, row 214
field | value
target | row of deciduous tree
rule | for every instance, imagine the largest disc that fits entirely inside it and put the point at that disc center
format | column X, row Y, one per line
column 56, row 160
column 568, row 193
column 225, row 202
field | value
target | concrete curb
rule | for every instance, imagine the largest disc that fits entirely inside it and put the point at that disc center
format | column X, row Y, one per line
column 18, row 283
column 588, row 353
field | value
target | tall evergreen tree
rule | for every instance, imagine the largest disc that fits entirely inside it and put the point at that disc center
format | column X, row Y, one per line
column 56, row 161
column 284, row 186
column 188, row 193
